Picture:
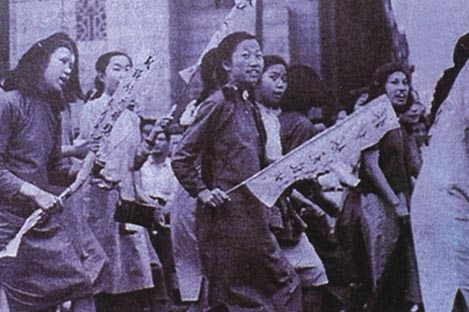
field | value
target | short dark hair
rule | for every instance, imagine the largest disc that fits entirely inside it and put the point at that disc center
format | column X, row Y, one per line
column 226, row 49
column 270, row 60
column 305, row 90
column 100, row 66
column 212, row 73
column 151, row 121
column 381, row 74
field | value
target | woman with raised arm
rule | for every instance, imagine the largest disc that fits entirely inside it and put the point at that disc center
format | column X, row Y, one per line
column 440, row 203
column 244, row 265
column 127, row 281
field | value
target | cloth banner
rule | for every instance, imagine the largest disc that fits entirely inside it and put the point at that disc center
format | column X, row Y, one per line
column 336, row 150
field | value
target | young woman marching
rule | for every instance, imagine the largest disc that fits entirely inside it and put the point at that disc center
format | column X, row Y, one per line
column 47, row 270
column 241, row 259
column 127, row 282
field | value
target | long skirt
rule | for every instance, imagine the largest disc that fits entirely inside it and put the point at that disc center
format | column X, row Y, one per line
column 130, row 252
column 381, row 249
column 47, row 269
column 88, row 248
column 186, row 247
column 242, row 260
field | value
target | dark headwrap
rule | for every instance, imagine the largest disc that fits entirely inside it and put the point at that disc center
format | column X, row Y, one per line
column 30, row 70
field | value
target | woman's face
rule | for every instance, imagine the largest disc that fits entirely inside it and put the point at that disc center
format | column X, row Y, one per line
column 419, row 131
column 161, row 147
column 413, row 114
column 272, row 85
column 397, row 88
column 116, row 70
column 58, row 70
column 247, row 63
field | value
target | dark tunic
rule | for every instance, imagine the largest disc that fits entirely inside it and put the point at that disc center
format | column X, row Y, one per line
column 241, row 258
column 392, row 161
column 47, row 269
column 379, row 243
column 295, row 130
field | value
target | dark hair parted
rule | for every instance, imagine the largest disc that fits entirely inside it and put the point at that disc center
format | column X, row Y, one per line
column 226, row 49
column 270, row 60
column 210, row 72
column 29, row 72
column 305, row 90
column 444, row 85
column 211, row 69
column 100, row 66
column 380, row 77
column 381, row 74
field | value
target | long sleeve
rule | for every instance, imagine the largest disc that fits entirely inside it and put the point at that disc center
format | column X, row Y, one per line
column 295, row 130
column 194, row 142
column 59, row 168
column 10, row 184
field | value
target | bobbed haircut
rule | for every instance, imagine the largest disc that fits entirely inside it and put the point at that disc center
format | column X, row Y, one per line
column 381, row 74
column 212, row 73
column 226, row 49
column 270, row 60
column 305, row 90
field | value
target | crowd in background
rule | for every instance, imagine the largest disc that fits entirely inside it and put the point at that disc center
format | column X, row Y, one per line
column 156, row 228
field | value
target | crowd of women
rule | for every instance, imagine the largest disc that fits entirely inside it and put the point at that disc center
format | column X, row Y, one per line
column 160, row 230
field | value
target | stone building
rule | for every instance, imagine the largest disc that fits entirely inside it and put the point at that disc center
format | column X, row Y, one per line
column 343, row 40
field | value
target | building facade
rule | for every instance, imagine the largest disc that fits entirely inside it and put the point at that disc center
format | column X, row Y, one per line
column 342, row 40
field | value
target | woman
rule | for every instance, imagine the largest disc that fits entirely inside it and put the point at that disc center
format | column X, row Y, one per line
column 298, row 250
column 440, row 201
column 412, row 149
column 376, row 234
column 128, row 278
column 305, row 91
column 47, row 270
column 183, row 216
column 241, row 259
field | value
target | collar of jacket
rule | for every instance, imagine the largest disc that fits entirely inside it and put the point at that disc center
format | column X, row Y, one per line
column 244, row 92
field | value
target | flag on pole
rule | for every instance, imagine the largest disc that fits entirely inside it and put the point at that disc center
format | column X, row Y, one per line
column 337, row 150
column 242, row 17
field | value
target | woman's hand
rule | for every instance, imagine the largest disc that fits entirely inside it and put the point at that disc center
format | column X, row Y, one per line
column 400, row 205
column 44, row 200
column 87, row 146
column 80, row 148
column 213, row 198
column 48, row 202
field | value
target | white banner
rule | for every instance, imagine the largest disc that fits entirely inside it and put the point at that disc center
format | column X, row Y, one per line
column 336, row 150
